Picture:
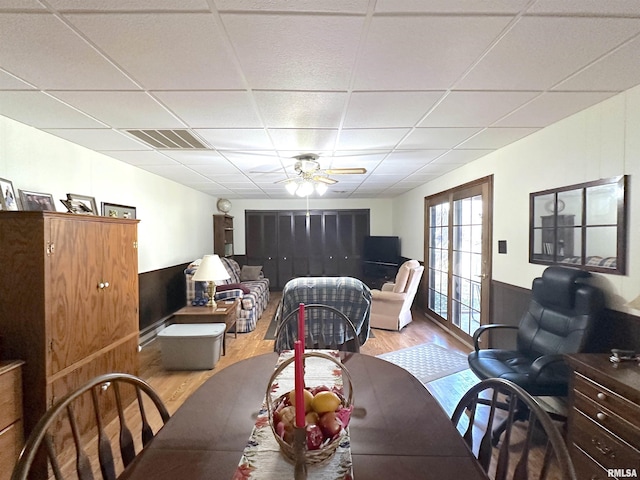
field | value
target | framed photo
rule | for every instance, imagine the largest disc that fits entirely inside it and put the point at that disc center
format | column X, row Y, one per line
column 83, row 204
column 118, row 211
column 8, row 198
column 37, row 201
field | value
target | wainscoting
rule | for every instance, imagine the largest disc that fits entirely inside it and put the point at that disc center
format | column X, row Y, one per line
column 616, row 330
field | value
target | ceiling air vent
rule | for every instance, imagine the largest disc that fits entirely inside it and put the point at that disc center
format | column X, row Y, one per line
column 169, row 139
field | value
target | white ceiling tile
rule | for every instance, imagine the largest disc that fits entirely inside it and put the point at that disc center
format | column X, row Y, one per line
column 137, row 5
column 624, row 61
column 417, row 52
column 436, row 138
column 475, row 109
column 41, row 111
column 494, row 137
column 20, row 5
column 159, row 55
column 97, row 138
column 11, row 82
column 375, row 138
column 177, row 173
column 303, row 139
column 450, row 6
column 140, row 157
column 196, row 157
column 61, row 60
column 413, row 157
column 212, row 109
column 328, row 6
column 384, row 178
column 458, row 157
column 121, row 109
column 235, row 138
column 538, row 52
column 301, row 109
column 380, row 109
column 586, row 7
column 552, row 107
column 295, row 52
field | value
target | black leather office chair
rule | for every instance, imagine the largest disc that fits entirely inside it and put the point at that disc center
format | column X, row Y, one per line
column 561, row 314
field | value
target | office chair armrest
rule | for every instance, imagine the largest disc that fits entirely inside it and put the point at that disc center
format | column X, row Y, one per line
column 540, row 363
column 484, row 328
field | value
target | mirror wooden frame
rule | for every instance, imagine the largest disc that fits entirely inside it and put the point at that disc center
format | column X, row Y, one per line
column 582, row 225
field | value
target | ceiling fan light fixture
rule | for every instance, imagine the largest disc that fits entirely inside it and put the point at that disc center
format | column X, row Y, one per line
column 291, row 187
column 305, row 188
column 321, row 188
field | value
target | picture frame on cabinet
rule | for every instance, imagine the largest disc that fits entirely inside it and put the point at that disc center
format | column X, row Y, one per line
column 8, row 198
column 84, row 202
column 36, row 201
column 118, row 211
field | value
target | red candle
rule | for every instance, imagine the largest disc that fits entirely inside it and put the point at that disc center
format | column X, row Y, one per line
column 298, row 352
column 301, row 324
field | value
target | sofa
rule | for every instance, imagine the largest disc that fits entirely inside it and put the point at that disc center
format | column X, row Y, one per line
column 247, row 283
column 391, row 306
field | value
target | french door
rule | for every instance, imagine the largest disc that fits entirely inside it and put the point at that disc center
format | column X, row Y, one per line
column 458, row 256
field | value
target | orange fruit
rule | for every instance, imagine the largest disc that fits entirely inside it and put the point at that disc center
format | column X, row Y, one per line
column 308, row 398
column 325, row 402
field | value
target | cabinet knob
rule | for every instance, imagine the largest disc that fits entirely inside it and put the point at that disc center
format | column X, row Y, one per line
column 601, row 416
column 101, row 285
column 601, row 396
column 106, row 284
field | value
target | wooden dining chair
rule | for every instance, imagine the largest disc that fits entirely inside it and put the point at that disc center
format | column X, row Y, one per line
column 326, row 327
column 528, row 451
column 68, row 431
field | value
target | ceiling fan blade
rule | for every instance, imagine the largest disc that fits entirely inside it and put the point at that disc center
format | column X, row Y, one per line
column 327, row 180
column 345, row 171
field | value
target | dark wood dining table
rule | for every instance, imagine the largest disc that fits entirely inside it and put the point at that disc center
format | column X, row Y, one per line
column 402, row 431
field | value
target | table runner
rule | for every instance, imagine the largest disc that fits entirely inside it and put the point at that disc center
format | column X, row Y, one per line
column 262, row 458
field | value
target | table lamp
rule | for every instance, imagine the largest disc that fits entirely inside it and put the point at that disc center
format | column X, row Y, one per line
column 210, row 270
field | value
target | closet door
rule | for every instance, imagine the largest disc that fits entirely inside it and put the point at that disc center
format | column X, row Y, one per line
column 286, row 242
column 331, row 259
column 300, row 246
column 261, row 233
column 317, row 246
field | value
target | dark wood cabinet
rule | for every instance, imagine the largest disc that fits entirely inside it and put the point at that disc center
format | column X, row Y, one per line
column 292, row 244
column 223, row 235
column 604, row 419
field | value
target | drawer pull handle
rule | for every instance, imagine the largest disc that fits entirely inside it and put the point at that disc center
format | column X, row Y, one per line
column 601, row 416
column 601, row 396
column 603, row 449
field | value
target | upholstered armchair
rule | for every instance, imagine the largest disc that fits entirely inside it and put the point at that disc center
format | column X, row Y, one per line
column 391, row 306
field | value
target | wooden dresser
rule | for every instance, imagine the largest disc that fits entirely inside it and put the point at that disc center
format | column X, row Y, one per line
column 11, row 431
column 604, row 420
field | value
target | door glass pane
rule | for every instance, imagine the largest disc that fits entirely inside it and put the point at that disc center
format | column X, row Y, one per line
column 438, row 258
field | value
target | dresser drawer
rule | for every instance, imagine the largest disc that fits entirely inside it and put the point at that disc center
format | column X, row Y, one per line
column 607, row 398
column 586, row 467
column 601, row 445
column 608, row 419
column 11, row 440
column 10, row 397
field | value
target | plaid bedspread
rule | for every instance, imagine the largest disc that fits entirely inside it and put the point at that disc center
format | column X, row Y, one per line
column 347, row 294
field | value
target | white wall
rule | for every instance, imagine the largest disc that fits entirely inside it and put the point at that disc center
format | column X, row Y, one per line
column 380, row 213
column 600, row 142
column 175, row 221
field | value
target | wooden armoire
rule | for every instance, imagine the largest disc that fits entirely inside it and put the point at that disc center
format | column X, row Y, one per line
column 68, row 301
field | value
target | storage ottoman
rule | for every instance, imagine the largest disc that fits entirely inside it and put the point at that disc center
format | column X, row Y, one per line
column 191, row 346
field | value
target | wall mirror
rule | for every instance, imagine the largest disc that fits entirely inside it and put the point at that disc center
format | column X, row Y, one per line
column 580, row 225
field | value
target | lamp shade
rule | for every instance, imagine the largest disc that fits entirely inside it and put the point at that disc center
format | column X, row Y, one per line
column 210, row 269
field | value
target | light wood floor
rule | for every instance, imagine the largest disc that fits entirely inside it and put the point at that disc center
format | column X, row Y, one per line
column 175, row 386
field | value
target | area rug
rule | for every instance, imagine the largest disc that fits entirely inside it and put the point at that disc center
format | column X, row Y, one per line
column 428, row 361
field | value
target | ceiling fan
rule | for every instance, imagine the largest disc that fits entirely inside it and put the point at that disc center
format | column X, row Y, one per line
column 311, row 177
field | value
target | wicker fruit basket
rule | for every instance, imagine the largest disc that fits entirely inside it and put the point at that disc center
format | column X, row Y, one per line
column 312, row 457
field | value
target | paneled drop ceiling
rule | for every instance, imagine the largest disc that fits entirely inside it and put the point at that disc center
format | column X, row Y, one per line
column 408, row 89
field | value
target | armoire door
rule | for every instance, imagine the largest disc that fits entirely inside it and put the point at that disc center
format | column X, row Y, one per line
column 286, row 242
column 73, row 298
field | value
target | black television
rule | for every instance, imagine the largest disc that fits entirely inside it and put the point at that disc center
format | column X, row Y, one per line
column 381, row 249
